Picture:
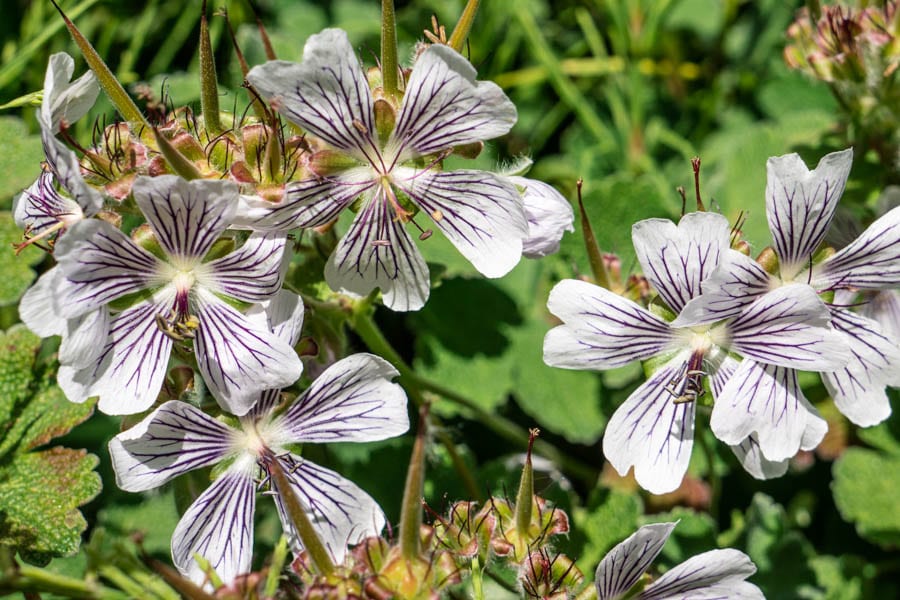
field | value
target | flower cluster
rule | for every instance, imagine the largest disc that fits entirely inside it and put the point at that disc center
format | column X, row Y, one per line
column 740, row 329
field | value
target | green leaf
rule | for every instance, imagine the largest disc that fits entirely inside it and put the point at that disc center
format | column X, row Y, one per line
column 865, row 492
column 609, row 517
column 21, row 155
column 42, row 489
column 15, row 271
column 39, row 499
column 154, row 518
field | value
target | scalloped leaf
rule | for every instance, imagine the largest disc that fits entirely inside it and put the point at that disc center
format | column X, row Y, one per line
column 42, row 489
column 865, row 492
column 20, row 154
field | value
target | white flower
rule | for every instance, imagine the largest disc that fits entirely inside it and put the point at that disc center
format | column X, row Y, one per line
column 549, row 216
column 354, row 400
column 713, row 574
column 653, row 430
column 443, row 107
column 800, row 205
column 175, row 296
column 41, row 209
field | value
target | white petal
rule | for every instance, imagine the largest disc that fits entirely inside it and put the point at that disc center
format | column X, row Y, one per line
column 66, row 168
column 722, row 374
column 789, row 327
column 858, row 388
column 652, row 432
column 800, row 204
column 238, row 358
column 870, row 262
column 99, row 264
column 219, row 527
column 282, row 315
column 172, row 440
column 601, row 330
column 84, row 338
column 751, row 458
column 65, row 100
column 307, row 203
column 707, row 576
column 38, row 308
column 377, row 252
column 253, row 272
column 327, row 94
column 443, row 106
column 354, row 400
column 479, row 212
column 737, row 282
column 187, row 216
column 625, row 564
column 767, row 400
column 129, row 371
column 549, row 214
column 884, row 308
column 41, row 206
column 677, row 260
column 341, row 513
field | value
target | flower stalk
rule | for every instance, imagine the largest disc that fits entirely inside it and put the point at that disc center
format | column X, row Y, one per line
column 411, row 511
column 463, row 26
column 525, row 496
column 595, row 257
column 389, row 64
column 209, row 87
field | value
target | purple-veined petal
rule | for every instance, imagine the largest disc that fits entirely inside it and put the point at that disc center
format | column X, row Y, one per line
column 800, row 204
column 99, row 264
column 282, row 314
column 65, row 101
column 84, row 338
column 870, row 262
column 37, row 308
column 652, row 432
column 219, row 527
column 129, row 371
column 341, row 513
column 307, row 203
column 377, row 252
column 237, row 357
column 172, row 440
column 65, row 166
column 327, row 94
column 267, row 402
column 717, row 574
column 443, row 106
column 479, row 212
column 677, row 259
column 187, row 216
column 751, row 458
column 625, row 564
column 883, row 307
column 767, row 400
column 858, row 388
column 722, row 373
column 736, row 282
column 253, row 272
column 41, row 206
column 789, row 327
column 601, row 330
column 548, row 215
column 354, row 400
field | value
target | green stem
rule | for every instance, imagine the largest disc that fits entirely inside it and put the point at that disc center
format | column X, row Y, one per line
column 411, row 507
column 108, row 82
column 209, row 89
column 389, row 64
column 308, row 537
column 374, row 339
column 34, row 579
column 595, row 257
column 463, row 26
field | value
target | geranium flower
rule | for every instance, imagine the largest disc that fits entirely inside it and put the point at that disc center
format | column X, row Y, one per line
column 41, row 209
column 354, row 400
column 549, row 215
column 177, row 295
column 713, row 574
column 800, row 205
column 653, row 429
column 393, row 167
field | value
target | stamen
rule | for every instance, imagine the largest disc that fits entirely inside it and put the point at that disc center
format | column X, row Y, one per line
column 59, row 225
column 687, row 384
column 178, row 326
